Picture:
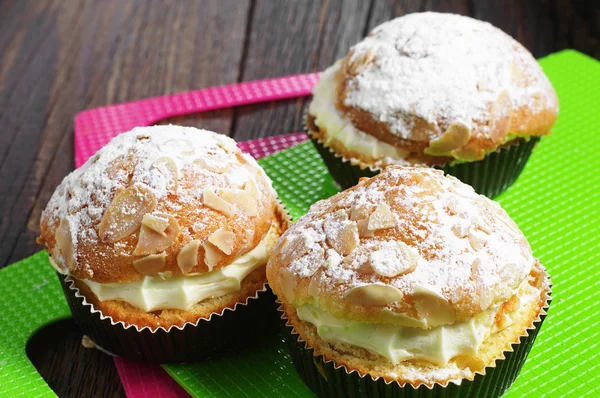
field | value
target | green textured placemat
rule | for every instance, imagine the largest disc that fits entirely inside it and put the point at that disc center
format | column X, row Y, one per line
column 30, row 298
column 556, row 202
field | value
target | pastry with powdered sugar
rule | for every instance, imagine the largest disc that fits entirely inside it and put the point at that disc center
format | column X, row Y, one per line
column 161, row 240
column 408, row 284
column 433, row 89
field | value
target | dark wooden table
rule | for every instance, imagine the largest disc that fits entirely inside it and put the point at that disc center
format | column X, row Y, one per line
column 59, row 57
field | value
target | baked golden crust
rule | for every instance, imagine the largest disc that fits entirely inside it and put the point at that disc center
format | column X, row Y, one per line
column 394, row 85
column 121, row 311
column 420, row 371
column 396, row 245
column 132, row 208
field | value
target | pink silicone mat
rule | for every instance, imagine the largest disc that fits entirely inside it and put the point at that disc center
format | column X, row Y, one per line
column 95, row 127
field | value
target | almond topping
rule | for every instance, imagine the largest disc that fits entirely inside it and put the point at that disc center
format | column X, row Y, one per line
column 346, row 240
column 393, row 259
column 241, row 199
column 167, row 167
column 374, row 294
column 216, row 166
column 476, row 240
column 381, row 218
column 223, row 239
column 187, row 258
column 150, row 265
column 217, row 203
column 432, row 307
column 360, row 212
column 455, row 136
column 156, row 223
column 363, row 228
column 64, row 242
column 212, row 255
column 293, row 249
column 179, row 146
column 151, row 241
column 250, row 189
column 125, row 213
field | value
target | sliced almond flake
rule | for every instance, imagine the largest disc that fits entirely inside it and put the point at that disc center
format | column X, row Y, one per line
column 391, row 259
column 360, row 212
column 373, row 294
column 213, row 165
column 250, row 189
column 212, row 255
column 215, row 202
column 64, row 242
column 223, row 239
column 150, row 265
column 363, row 228
column 167, row 167
column 432, row 306
column 381, row 218
column 187, row 258
column 151, row 241
column 125, row 213
column 178, row 146
column 295, row 247
column 156, row 223
column 455, row 136
column 241, row 199
column 347, row 239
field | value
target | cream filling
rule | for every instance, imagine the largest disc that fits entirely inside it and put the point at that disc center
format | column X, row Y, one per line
column 340, row 128
column 400, row 343
column 153, row 293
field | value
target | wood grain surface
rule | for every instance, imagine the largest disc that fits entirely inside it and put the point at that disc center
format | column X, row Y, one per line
column 59, row 57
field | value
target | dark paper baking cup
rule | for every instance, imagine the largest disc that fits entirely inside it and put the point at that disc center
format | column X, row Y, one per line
column 489, row 176
column 496, row 172
column 224, row 332
column 326, row 379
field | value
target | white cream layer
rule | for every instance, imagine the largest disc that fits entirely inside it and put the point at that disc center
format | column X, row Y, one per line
column 339, row 128
column 400, row 343
column 182, row 292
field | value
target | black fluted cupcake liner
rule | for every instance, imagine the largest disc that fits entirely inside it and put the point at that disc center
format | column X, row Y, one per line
column 490, row 176
column 326, row 379
column 496, row 172
column 221, row 333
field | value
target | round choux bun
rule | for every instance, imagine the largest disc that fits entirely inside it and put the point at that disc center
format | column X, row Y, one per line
column 409, row 246
column 163, row 200
column 439, row 87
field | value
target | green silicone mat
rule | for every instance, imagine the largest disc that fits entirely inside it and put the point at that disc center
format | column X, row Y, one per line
column 556, row 202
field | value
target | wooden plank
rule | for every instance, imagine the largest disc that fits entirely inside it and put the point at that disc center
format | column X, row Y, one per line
column 388, row 9
column 66, row 56
column 293, row 37
column 94, row 54
column 531, row 22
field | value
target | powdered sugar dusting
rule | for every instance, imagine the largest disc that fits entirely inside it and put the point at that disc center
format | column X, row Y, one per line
column 154, row 158
column 449, row 240
column 441, row 68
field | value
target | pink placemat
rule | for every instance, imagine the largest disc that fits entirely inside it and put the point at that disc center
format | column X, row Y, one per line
column 95, row 127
